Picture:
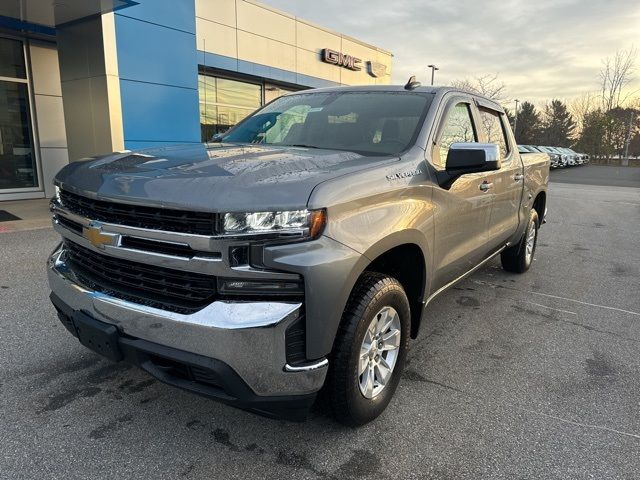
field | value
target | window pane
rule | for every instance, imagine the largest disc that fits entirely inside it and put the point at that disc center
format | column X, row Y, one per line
column 12, row 59
column 492, row 128
column 224, row 103
column 235, row 93
column 458, row 129
column 17, row 160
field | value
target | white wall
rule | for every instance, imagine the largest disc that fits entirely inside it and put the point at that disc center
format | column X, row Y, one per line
column 257, row 33
column 49, row 112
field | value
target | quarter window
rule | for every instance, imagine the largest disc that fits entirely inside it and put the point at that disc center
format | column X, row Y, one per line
column 458, row 129
column 493, row 130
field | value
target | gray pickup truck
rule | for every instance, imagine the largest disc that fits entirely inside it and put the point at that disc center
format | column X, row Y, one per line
column 298, row 252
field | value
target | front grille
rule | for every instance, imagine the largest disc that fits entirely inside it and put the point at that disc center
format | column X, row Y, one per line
column 164, row 288
column 183, row 221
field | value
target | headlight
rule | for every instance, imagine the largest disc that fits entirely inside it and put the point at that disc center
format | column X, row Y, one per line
column 308, row 223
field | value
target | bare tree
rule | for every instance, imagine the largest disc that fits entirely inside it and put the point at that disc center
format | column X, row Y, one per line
column 581, row 106
column 616, row 74
column 488, row 85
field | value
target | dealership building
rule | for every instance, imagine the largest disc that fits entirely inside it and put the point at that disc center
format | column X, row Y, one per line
column 86, row 77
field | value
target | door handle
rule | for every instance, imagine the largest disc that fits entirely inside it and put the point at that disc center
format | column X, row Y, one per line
column 484, row 186
column 518, row 176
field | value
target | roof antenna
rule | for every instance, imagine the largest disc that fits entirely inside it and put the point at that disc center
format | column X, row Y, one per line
column 412, row 83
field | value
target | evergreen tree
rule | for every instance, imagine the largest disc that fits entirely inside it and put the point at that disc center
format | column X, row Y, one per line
column 528, row 126
column 594, row 130
column 558, row 125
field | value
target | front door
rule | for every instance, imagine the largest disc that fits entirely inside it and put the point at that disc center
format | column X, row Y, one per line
column 463, row 209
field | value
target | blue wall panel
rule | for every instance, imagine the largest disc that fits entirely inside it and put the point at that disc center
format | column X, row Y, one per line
column 217, row 61
column 178, row 14
column 158, row 69
column 149, row 53
column 159, row 113
column 271, row 73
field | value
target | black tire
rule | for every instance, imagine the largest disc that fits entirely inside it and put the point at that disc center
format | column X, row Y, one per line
column 371, row 294
column 515, row 259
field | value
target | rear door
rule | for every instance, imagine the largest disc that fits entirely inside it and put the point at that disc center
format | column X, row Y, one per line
column 462, row 209
column 507, row 182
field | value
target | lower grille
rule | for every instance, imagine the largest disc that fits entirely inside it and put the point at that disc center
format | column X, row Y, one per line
column 164, row 288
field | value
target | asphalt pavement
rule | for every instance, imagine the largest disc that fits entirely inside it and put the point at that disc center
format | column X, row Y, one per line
column 533, row 376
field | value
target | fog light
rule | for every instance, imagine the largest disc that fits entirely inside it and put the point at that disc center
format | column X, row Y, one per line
column 257, row 287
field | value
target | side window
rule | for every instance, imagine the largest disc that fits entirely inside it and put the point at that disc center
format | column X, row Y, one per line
column 493, row 129
column 458, row 129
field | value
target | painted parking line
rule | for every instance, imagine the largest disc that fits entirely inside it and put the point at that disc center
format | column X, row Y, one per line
column 606, row 307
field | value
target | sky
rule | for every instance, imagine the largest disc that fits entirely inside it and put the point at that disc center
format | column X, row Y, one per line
column 541, row 49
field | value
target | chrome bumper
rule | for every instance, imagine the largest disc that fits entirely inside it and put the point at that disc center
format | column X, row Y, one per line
column 248, row 336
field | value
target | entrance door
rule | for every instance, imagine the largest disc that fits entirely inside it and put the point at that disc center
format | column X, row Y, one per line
column 18, row 167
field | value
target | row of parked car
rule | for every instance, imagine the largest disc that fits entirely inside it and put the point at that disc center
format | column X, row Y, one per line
column 561, row 157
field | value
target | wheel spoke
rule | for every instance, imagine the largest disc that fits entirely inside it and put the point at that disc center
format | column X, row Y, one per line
column 383, row 370
column 362, row 363
column 367, row 382
column 382, row 320
column 388, row 321
column 391, row 340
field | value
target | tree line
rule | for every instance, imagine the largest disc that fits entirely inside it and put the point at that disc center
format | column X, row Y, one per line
column 598, row 132
column 602, row 123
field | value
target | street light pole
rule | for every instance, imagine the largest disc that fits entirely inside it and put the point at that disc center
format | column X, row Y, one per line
column 515, row 119
column 433, row 72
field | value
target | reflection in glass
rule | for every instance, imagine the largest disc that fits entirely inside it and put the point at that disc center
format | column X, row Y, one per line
column 458, row 129
column 224, row 103
column 17, row 159
column 271, row 92
column 494, row 133
column 12, row 59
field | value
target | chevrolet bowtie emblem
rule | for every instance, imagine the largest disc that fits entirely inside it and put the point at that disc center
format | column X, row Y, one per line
column 97, row 237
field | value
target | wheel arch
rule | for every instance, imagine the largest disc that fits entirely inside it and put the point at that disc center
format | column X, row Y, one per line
column 405, row 256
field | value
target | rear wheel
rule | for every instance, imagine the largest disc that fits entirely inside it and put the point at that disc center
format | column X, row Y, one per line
column 370, row 350
column 518, row 258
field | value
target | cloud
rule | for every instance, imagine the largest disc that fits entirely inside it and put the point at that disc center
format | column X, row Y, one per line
column 541, row 50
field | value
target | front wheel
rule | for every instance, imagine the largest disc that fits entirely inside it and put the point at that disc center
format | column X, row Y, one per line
column 370, row 350
column 518, row 258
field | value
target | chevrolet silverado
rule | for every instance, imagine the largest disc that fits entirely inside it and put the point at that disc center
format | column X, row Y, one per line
column 300, row 250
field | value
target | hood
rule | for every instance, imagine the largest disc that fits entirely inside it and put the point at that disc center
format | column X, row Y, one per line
column 212, row 177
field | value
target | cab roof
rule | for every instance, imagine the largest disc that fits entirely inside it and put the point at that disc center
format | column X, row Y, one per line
column 434, row 90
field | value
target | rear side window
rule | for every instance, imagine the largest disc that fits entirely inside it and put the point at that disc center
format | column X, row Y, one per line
column 493, row 129
column 458, row 128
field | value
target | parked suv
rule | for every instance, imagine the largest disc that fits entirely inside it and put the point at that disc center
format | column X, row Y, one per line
column 298, row 253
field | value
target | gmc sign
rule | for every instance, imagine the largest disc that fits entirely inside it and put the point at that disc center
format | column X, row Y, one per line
column 341, row 60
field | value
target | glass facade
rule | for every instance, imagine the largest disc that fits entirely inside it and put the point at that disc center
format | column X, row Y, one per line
column 225, row 102
column 17, row 157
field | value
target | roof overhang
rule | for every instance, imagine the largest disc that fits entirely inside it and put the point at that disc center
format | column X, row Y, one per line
column 43, row 16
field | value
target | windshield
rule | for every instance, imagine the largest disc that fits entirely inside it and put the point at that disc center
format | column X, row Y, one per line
column 375, row 123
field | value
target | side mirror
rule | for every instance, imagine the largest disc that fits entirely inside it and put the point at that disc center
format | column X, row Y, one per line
column 473, row 157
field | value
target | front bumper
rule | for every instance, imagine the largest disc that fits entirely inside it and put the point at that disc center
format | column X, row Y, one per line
column 246, row 337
